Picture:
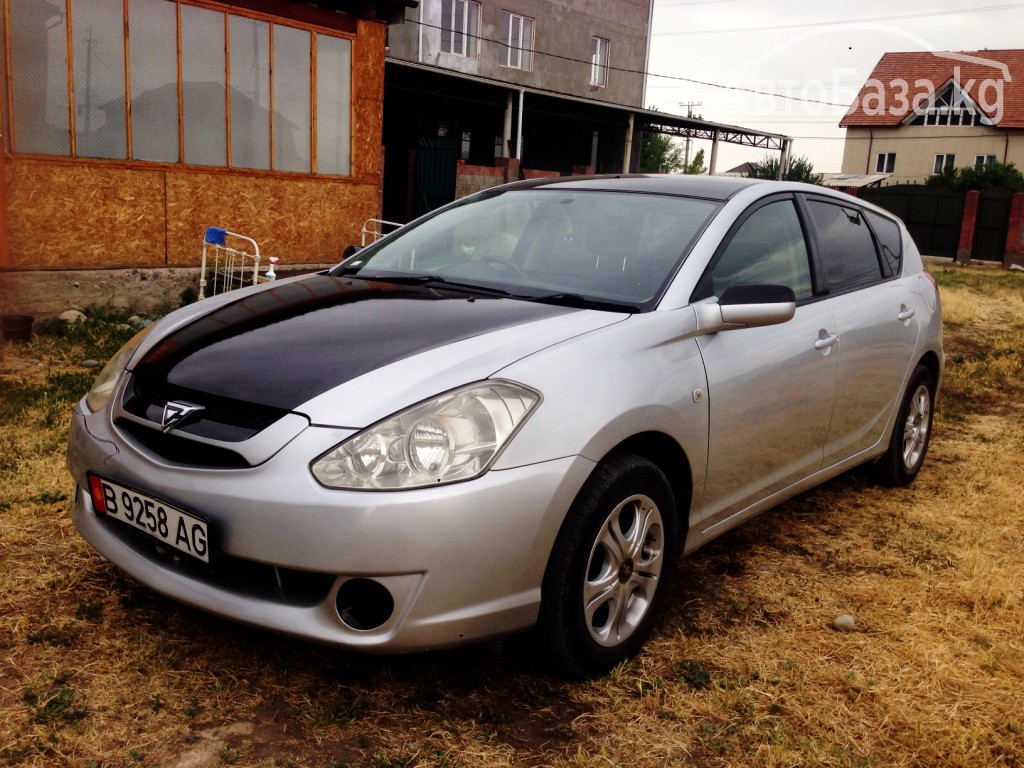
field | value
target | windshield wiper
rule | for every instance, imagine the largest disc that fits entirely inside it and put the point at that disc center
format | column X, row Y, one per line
column 430, row 279
column 577, row 300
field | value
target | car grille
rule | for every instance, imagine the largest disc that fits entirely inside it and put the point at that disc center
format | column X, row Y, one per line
column 181, row 450
column 222, row 418
column 236, row 575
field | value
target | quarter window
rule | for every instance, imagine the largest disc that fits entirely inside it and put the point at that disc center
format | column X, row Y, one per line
column 845, row 246
column 516, row 41
column 769, row 247
column 599, row 62
column 460, row 27
column 889, row 240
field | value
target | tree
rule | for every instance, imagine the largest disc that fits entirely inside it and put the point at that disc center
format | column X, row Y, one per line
column 800, row 169
column 990, row 176
column 696, row 166
column 659, row 155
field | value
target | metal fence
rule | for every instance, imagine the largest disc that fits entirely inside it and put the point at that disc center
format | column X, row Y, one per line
column 933, row 216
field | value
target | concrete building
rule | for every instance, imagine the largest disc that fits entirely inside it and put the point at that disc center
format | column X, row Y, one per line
column 919, row 113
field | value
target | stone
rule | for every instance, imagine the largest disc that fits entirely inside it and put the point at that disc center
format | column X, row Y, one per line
column 72, row 316
column 90, row 363
column 844, row 623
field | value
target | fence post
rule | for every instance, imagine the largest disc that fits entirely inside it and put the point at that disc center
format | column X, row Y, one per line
column 1014, row 255
column 963, row 252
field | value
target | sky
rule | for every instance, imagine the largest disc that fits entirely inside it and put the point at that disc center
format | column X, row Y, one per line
column 818, row 52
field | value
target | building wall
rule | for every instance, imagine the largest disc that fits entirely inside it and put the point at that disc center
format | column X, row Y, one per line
column 561, row 27
column 917, row 145
column 65, row 213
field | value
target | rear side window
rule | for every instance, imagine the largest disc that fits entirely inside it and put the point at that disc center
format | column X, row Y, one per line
column 889, row 240
column 846, row 248
column 768, row 247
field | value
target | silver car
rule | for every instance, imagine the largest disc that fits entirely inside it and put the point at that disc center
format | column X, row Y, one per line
column 512, row 414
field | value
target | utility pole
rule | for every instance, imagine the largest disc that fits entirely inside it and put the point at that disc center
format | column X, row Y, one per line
column 689, row 113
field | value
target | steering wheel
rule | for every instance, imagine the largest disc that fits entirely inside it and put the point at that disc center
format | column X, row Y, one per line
column 503, row 263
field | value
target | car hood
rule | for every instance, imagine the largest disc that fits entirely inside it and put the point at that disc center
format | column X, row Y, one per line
column 346, row 352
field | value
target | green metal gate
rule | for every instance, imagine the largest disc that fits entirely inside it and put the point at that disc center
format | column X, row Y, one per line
column 435, row 173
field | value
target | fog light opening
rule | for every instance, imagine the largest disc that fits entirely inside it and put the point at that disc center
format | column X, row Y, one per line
column 364, row 604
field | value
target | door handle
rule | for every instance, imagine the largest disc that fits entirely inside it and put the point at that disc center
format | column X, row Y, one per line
column 826, row 340
column 905, row 313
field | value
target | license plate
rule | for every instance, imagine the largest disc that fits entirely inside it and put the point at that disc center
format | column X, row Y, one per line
column 164, row 522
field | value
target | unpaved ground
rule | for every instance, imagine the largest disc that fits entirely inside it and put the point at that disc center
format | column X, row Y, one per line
column 745, row 669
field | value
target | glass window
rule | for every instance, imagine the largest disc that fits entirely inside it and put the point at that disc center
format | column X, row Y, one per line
column 154, row 80
column 39, row 75
column 460, row 21
column 845, row 246
column 97, row 31
column 769, row 247
column 291, row 99
column 980, row 160
column 888, row 233
column 333, row 105
column 944, row 162
column 250, row 92
column 516, row 41
column 202, row 84
column 598, row 61
column 886, row 162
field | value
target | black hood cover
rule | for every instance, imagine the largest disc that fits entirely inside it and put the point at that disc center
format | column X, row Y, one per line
column 286, row 345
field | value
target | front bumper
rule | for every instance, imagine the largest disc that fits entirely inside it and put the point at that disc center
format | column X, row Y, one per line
column 462, row 562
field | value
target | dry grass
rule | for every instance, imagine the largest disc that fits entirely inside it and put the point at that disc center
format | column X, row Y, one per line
column 745, row 670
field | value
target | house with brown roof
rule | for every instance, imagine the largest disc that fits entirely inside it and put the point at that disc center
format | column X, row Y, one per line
column 922, row 112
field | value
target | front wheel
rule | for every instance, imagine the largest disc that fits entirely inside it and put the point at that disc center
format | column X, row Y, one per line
column 909, row 443
column 609, row 568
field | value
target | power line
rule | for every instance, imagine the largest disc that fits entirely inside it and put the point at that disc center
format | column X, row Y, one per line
column 840, row 21
column 641, row 71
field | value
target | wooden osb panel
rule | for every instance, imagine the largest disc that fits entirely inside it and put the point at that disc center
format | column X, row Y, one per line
column 301, row 221
column 68, row 215
column 367, row 100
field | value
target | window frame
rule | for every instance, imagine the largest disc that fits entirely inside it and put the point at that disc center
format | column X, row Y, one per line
column 313, row 30
column 524, row 46
column 885, row 162
column 983, row 160
column 599, row 68
column 944, row 161
column 470, row 32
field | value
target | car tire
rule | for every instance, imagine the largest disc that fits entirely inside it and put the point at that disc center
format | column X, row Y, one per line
column 609, row 569
column 909, row 443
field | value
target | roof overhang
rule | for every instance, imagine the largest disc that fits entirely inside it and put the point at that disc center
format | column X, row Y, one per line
column 648, row 120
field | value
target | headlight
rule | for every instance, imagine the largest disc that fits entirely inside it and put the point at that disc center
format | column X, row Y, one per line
column 103, row 387
column 455, row 436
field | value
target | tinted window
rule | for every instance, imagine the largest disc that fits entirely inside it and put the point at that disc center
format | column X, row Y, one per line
column 768, row 247
column 846, row 247
column 888, row 234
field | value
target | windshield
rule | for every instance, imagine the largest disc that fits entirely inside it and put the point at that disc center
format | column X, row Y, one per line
column 614, row 248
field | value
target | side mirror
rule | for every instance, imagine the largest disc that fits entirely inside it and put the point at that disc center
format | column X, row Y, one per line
column 749, row 305
column 350, row 251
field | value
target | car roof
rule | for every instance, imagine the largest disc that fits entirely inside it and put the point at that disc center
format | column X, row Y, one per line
column 709, row 187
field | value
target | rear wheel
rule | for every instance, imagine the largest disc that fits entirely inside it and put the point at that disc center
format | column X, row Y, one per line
column 909, row 443
column 609, row 568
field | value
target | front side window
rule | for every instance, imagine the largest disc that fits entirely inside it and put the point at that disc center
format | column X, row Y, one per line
column 599, row 62
column 886, row 162
column 516, row 41
column 460, row 23
column 944, row 162
column 845, row 246
column 769, row 247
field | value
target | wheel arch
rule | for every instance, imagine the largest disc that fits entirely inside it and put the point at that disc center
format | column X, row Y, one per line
column 665, row 453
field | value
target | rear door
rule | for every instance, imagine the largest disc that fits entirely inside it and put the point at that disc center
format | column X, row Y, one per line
column 860, row 255
column 771, row 389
